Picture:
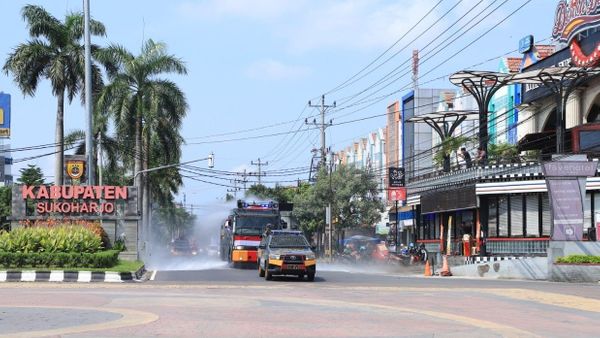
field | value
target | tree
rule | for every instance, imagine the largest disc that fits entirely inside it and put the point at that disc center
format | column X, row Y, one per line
column 503, row 152
column 353, row 194
column 279, row 193
column 32, row 175
column 5, row 207
column 175, row 222
column 55, row 52
column 450, row 145
column 151, row 109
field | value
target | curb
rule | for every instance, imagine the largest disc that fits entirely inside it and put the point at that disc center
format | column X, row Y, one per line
column 70, row 276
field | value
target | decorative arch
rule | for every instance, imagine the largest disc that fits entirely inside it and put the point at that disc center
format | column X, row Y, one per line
column 591, row 98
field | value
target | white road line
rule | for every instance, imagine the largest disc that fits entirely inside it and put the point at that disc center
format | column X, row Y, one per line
column 153, row 275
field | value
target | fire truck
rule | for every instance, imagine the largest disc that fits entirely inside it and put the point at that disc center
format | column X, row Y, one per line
column 242, row 230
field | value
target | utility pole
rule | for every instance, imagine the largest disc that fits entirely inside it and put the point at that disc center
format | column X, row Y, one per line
column 323, row 162
column 235, row 188
column 259, row 164
column 88, row 96
column 323, row 109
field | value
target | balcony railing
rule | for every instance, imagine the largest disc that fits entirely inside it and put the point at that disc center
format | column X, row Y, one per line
column 438, row 179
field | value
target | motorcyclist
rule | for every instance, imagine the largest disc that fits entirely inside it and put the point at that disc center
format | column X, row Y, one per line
column 351, row 251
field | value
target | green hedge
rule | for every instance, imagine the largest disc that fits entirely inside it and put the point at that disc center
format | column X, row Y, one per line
column 62, row 238
column 579, row 259
column 103, row 259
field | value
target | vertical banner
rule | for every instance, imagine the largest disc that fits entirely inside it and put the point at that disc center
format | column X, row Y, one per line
column 566, row 182
column 4, row 115
column 567, row 209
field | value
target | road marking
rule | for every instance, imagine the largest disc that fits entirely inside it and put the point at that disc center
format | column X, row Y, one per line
column 548, row 298
column 504, row 330
column 129, row 318
column 153, row 275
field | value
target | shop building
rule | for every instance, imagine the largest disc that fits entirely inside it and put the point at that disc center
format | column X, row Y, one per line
column 504, row 208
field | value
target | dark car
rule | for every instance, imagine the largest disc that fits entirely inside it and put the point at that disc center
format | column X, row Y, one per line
column 284, row 252
column 183, row 247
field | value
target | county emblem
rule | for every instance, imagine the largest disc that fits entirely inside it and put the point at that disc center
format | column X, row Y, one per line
column 75, row 169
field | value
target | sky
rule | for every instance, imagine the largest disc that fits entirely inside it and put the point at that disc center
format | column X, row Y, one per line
column 254, row 65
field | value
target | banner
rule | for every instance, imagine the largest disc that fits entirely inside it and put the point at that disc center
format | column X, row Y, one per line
column 4, row 115
column 566, row 182
column 567, row 208
column 397, row 194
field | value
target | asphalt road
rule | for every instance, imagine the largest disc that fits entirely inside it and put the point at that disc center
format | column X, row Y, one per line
column 217, row 301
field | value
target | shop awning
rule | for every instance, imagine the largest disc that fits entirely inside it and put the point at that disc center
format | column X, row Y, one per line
column 449, row 200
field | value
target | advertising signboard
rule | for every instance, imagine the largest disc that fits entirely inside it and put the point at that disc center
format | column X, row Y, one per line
column 4, row 115
column 396, row 177
column 397, row 194
column 573, row 17
column 566, row 187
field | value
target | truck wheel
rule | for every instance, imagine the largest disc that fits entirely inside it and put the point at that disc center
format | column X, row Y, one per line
column 311, row 277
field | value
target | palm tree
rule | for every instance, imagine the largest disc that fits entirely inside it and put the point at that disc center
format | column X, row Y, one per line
column 54, row 52
column 145, row 106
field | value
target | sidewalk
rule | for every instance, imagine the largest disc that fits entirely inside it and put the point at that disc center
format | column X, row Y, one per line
column 71, row 276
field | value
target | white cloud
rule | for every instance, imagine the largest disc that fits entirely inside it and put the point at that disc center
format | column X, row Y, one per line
column 356, row 24
column 255, row 9
column 274, row 70
column 349, row 25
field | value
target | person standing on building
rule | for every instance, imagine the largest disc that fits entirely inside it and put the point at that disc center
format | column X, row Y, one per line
column 481, row 157
column 464, row 154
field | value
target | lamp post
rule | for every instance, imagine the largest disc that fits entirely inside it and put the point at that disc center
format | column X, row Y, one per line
column 145, row 216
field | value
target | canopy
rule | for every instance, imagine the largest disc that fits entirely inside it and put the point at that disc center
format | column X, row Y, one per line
column 442, row 116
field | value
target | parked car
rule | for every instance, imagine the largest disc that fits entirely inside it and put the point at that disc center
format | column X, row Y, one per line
column 284, row 252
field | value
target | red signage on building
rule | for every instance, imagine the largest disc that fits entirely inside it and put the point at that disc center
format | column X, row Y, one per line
column 574, row 17
column 74, row 199
column 397, row 194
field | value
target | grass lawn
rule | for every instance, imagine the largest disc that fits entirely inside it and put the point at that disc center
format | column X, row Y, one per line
column 122, row 266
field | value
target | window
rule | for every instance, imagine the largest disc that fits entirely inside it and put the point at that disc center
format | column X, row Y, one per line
column 532, row 221
column 493, row 218
column 546, row 215
column 503, row 216
column 597, row 210
column 587, row 212
column 516, row 216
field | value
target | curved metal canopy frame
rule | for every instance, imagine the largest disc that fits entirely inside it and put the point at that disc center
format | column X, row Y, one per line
column 445, row 122
column 561, row 81
column 482, row 85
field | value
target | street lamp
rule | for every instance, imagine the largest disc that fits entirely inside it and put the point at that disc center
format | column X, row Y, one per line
column 210, row 159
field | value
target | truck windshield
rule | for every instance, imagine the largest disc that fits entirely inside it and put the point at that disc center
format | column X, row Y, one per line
column 288, row 241
column 254, row 225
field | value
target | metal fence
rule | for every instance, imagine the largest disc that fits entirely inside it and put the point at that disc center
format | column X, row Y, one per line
column 428, row 182
column 526, row 247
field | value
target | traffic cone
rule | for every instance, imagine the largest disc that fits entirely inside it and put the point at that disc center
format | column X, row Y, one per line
column 445, row 268
column 427, row 269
